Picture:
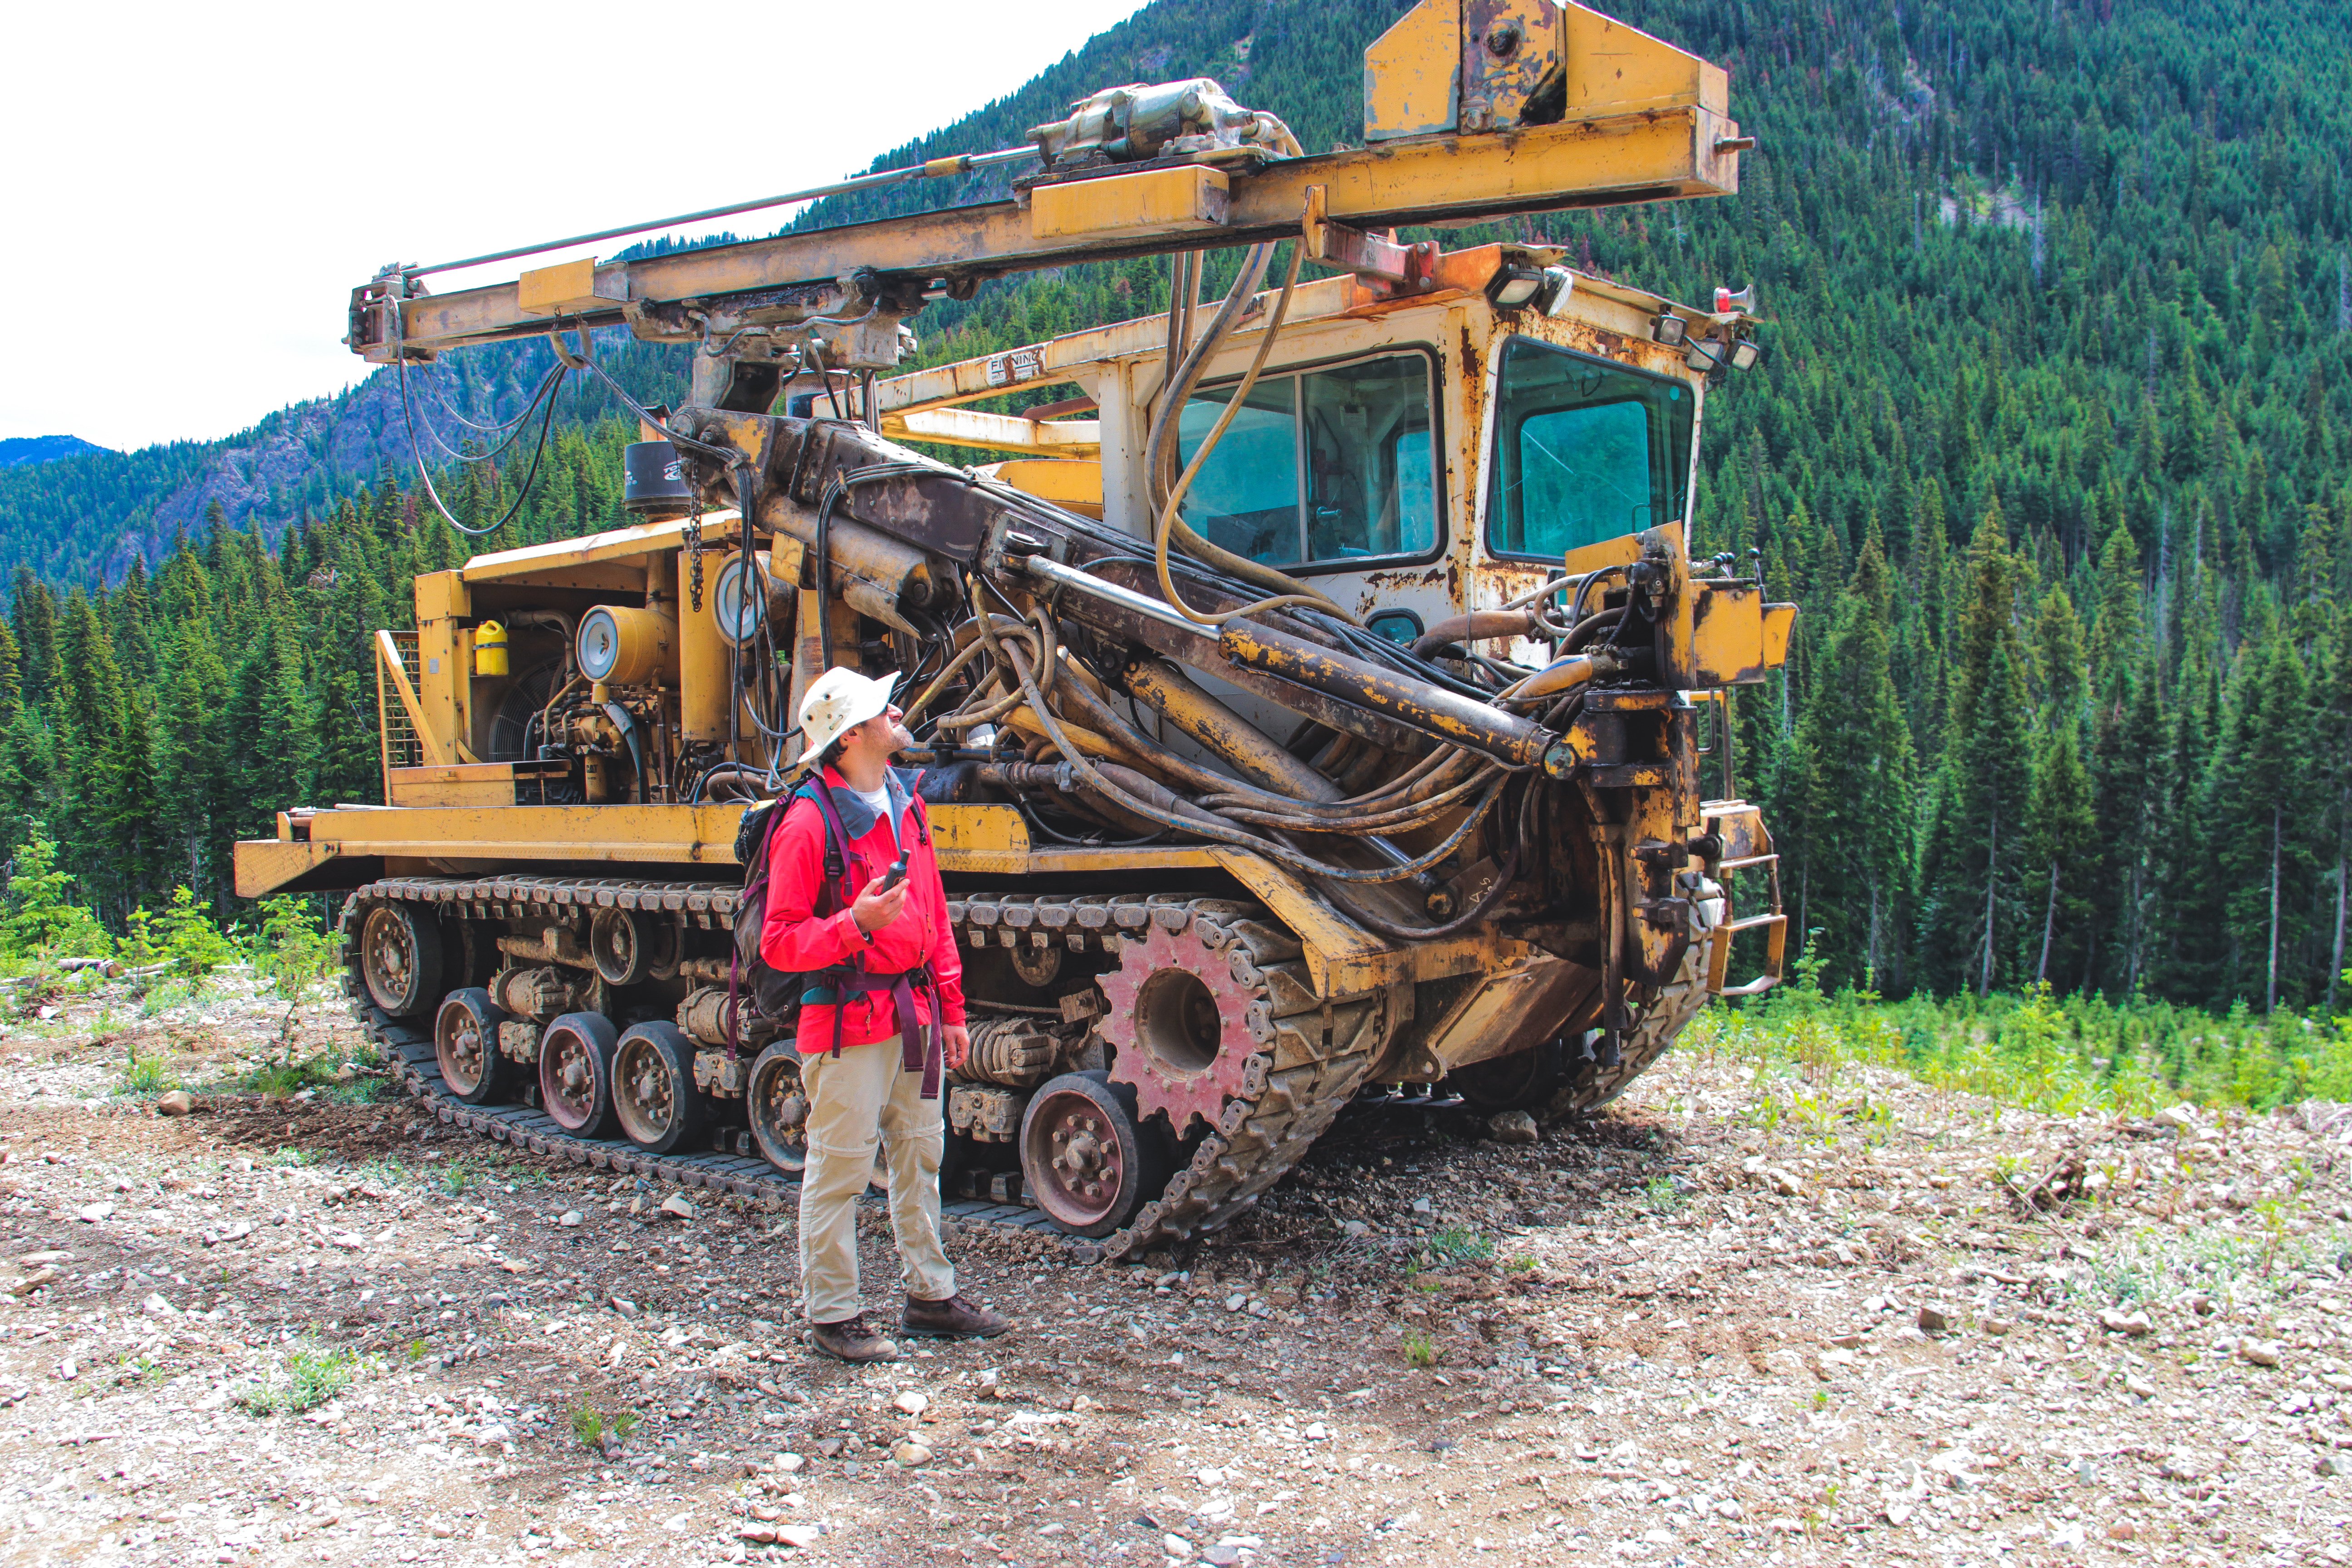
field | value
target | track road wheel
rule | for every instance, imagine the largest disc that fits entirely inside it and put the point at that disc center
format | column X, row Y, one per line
column 778, row 1109
column 575, row 1074
column 661, row 1108
column 465, row 1042
column 400, row 959
column 1083, row 1157
column 1520, row 1082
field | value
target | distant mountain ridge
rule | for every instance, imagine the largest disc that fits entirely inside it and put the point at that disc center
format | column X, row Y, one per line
column 18, row 449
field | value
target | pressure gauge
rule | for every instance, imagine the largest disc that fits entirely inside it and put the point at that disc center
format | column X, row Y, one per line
column 738, row 604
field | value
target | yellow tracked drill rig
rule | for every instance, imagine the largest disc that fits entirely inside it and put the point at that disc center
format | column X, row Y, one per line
column 1316, row 703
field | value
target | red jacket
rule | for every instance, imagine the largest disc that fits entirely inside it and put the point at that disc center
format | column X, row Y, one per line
column 796, row 940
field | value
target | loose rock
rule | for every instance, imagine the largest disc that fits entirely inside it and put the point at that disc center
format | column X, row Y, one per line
column 1512, row 1127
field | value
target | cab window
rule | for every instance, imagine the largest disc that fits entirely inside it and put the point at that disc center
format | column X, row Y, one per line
column 1319, row 466
column 1585, row 449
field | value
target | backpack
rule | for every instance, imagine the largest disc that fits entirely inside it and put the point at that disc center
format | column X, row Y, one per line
column 773, row 993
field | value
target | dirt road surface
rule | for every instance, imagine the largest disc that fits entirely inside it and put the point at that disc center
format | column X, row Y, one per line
column 1742, row 1316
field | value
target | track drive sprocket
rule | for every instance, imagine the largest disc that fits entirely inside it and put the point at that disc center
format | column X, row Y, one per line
column 1179, row 1026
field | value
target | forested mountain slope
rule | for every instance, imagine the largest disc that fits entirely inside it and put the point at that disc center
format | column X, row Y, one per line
column 2052, row 445
column 41, row 448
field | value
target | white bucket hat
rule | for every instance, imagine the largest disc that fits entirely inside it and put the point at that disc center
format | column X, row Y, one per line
column 839, row 701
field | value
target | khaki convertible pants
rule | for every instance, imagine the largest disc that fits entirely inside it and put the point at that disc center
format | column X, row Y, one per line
column 863, row 1092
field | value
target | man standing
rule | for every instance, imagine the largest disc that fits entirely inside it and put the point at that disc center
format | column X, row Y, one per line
column 880, row 1019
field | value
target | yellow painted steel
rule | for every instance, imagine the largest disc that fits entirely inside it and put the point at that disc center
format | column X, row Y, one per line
column 1616, row 69
column 465, row 784
column 547, row 565
column 566, row 289
column 1156, row 201
column 1660, row 154
column 1074, row 483
column 702, row 653
column 265, row 864
column 997, row 432
column 1413, row 74
column 1779, row 620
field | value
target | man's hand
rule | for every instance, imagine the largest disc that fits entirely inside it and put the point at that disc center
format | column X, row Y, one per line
column 959, row 1045
column 875, row 909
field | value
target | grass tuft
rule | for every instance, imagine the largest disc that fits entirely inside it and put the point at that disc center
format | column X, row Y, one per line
column 304, row 1381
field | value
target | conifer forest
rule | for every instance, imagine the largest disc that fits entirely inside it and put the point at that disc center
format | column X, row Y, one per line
column 2052, row 444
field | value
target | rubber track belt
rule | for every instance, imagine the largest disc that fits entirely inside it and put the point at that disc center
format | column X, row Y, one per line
column 1313, row 1051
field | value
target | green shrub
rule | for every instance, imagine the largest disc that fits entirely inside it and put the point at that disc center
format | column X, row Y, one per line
column 41, row 921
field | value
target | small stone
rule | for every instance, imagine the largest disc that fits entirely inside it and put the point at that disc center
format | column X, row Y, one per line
column 2181, row 1465
column 1422, row 1206
column 911, row 1403
column 799, row 1537
column 154, row 1305
column 1236, row 1302
column 174, row 1102
column 676, row 1203
column 1995, row 1325
column 1781, row 1182
column 1223, row 1555
column 2116, row 1320
column 1728, row 1508
column 757, row 1533
column 1081, row 1404
column 2258, row 1352
column 2326, row 1465
column 569, row 1218
column 2135, row 1384
column 911, row 1454
column 830, row 1447
column 2122, row 1529
column 628, row 1309
column 1512, row 1127
column 1176, row 1546
column 1355, row 1229
column 494, row 1433
column 92, row 1214
column 790, row 1464
column 1934, row 1320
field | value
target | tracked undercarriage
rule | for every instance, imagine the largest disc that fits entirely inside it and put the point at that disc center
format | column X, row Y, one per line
column 1288, row 1059
column 1324, row 697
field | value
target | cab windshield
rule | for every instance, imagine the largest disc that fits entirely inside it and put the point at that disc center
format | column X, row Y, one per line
column 1319, row 466
column 1585, row 449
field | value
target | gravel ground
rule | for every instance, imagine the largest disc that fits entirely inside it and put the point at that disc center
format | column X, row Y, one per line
column 1741, row 1318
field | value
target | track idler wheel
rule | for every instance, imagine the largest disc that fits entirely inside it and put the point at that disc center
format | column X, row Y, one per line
column 575, row 1074
column 1086, row 1158
column 466, row 1043
column 661, row 1109
column 400, row 959
column 778, row 1109
column 1523, row 1081
column 1178, row 1027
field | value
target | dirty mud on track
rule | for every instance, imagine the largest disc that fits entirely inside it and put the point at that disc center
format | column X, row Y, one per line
column 1666, row 1335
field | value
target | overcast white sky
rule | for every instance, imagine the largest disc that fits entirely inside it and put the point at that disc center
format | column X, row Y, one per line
column 192, row 191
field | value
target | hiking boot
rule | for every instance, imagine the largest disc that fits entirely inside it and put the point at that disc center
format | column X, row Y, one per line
column 953, row 1319
column 853, row 1340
